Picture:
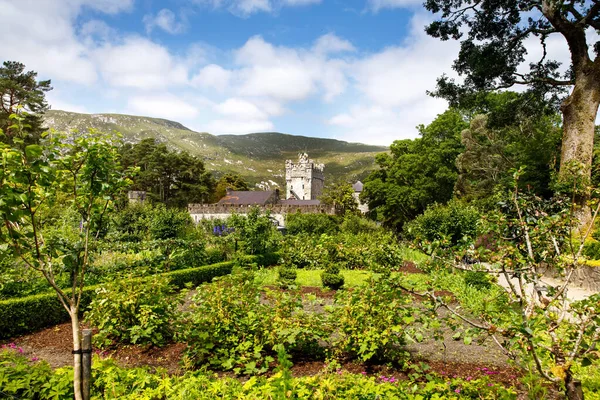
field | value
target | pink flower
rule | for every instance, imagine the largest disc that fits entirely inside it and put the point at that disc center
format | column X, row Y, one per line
column 364, row 372
column 457, row 390
column 34, row 359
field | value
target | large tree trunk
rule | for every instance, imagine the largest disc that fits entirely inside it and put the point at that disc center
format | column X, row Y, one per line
column 579, row 115
column 76, row 353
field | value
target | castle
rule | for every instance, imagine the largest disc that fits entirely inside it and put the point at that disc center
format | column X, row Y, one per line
column 304, row 180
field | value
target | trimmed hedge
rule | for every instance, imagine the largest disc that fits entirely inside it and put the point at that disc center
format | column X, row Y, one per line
column 29, row 314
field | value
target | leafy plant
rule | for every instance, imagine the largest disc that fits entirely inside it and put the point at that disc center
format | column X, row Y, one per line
column 477, row 279
column 371, row 321
column 134, row 311
column 286, row 276
column 255, row 231
column 331, row 277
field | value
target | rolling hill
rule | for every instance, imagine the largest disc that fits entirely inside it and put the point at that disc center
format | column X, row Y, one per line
column 258, row 157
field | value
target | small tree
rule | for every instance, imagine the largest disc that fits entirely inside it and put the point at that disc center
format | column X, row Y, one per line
column 82, row 171
column 22, row 92
column 541, row 326
column 341, row 196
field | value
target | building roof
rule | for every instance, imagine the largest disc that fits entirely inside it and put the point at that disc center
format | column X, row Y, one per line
column 294, row 202
column 247, row 197
column 358, row 186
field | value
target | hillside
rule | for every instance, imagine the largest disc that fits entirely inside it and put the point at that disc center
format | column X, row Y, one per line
column 258, row 157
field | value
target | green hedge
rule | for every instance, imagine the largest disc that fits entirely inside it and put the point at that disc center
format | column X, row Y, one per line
column 28, row 314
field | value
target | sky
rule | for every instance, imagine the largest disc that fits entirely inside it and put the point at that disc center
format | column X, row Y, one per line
column 353, row 70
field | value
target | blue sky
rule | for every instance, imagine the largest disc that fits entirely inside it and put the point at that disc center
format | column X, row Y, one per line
column 352, row 70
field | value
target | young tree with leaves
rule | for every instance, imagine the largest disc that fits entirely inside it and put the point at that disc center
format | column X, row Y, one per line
column 229, row 181
column 81, row 171
column 22, row 93
column 341, row 196
column 493, row 35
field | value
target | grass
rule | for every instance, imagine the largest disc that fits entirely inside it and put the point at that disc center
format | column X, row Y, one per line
column 312, row 277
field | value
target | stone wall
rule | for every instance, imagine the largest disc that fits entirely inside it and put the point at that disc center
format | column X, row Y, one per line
column 278, row 211
column 584, row 277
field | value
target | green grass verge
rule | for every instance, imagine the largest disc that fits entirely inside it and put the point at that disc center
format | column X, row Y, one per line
column 312, row 277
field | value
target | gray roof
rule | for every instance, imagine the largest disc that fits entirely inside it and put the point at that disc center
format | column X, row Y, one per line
column 358, row 186
column 294, row 202
column 247, row 197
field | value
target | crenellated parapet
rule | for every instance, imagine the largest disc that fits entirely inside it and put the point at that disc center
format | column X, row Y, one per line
column 304, row 179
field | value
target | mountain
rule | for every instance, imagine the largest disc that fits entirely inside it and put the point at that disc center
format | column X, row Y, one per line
column 258, row 157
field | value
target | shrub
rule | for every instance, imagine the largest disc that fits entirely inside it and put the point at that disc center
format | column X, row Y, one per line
column 371, row 321
column 591, row 249
column 331, row 277
column 356, row 224
column 232, row 326
column 286, row 276
column 478, row 280
column 450, row 225
column 316, row 224
column 134, row 311
column 169, row 223
column 255, row 231
column 219, row 313
column 29, row 314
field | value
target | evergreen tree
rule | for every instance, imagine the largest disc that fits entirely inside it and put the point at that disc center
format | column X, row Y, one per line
column 22, row 89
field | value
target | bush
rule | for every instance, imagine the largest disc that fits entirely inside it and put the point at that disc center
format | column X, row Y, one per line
column 231, row 326
column 478, row 280
column 255, row 231
column 29, row 314
column 286, row 277
column 315, row 224
column 356, row 224
column 331, row 277
column 371, row 321
column 24, row 378
column 591, row 249
column 134, row 312
column 450, row 225
column 169, row 223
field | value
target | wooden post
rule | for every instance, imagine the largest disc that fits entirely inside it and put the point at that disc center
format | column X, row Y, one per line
column 86, row 363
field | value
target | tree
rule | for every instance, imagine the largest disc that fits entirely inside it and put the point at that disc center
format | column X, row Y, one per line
column 229, row 181
column 539, row 327
column 416, row 173
column 22, row 93
column 516, row 131
column 170, row 177
column 341, row 196
column 492, row 54
column 82, row 172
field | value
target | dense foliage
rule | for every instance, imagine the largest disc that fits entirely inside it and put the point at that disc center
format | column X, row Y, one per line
column 416, row 172
column 134, row 311
column 167, row 176
column 22, row 93
column 30, row 379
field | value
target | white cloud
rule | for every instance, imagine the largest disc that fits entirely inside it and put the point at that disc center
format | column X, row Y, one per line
column 245, row 8
column 41, row 35
column 377, row 124
column 166, row 20
column 330, row 43
column 162, row 105
column 140, row 63
column 212, row 76
column 241, row 109
column 294, row 3
column 377, row 5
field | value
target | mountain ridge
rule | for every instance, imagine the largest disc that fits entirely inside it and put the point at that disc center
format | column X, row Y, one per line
column 258, row 157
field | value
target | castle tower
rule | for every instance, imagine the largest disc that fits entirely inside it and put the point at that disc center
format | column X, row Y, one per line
column 304, row 180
